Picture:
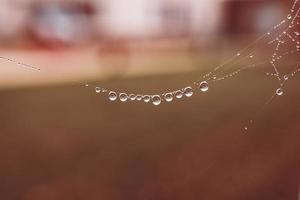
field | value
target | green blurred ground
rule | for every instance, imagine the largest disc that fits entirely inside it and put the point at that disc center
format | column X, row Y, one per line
column 66, row 142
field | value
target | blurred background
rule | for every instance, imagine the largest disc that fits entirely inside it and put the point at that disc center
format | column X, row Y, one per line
column 59, row 140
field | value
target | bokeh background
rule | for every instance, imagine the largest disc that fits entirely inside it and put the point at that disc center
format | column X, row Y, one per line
column 59, row 140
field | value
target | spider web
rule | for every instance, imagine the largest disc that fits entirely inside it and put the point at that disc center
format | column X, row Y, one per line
column 277, row 48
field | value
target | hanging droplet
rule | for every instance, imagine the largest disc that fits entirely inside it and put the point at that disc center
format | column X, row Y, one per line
column 279, row 92
column 178, row 94
column 188, row 92
column 146, row 98
column 112, row 96
column 139, row 97
column 156, row 100
column 132, row 97
column 204, row 86
column 286, row 77
column 123, row 97
column 169, row 97
column 98, row 89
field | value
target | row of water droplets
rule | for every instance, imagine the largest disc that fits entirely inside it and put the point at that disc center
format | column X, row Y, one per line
column 156, row 99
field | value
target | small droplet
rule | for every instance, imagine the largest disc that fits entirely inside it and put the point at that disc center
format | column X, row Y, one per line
column 112, row 96
column 297, row 33
column 139, row 97
column 146, row 98
column 178, row 94
column 98, row 89
column 286, row 77
column 204, row 86
column 169, row 97
column 246, row 128
column 132, row 97
column 86, row 85
column 156, row 100
column 279, row 92
column 188, row 92
column 123, row 97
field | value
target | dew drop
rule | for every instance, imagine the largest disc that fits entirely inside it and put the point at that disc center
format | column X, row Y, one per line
column 112, row 96
column 169, row 97
column 98, row 89
column 146, row 98
column 156, row 100
column 188, row 92
column 204, row 86
column 132, row 97
column 178, row 94
column 279, row 92
column 123, row 97
column 139, row 97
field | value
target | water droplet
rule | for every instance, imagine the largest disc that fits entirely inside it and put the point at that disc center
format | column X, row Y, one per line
column 246, row 128
column 286, row 77
column 204, row 86
column 123, row 97
column 279, row 92
column 178, row 94
column 98, row 89
column 156, row 100
column 146, row 98
column 86, row 85
column 132, row 97
column 289, row 16
column 112, row 96
column 297, row 33
column 168, row 97
column 139, row 97
column 188, row 92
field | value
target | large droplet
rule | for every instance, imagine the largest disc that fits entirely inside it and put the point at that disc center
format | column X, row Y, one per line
column 178, row 94
column 188, row 92
column 112, row 96
column 168, row 97
column 123, row 97
column 156, row 100
column 279, row 92
column 146, row 98
column 98, row 89
column 204, row 86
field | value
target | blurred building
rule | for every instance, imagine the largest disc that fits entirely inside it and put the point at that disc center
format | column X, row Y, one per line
column 79, row 21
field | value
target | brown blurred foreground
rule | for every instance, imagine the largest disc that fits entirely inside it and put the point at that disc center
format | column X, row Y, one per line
column 65, row 142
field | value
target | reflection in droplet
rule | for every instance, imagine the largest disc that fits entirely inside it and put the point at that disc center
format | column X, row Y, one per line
column 132, row 97
column 139, row 97
column 123, row 97
column 204, row 86
column 98, row 89
column 156, row 100
column 279, row 92
column 146, row 98
column 112, row 96
column 178, row 94
column 169, row 97
column 188, row 92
